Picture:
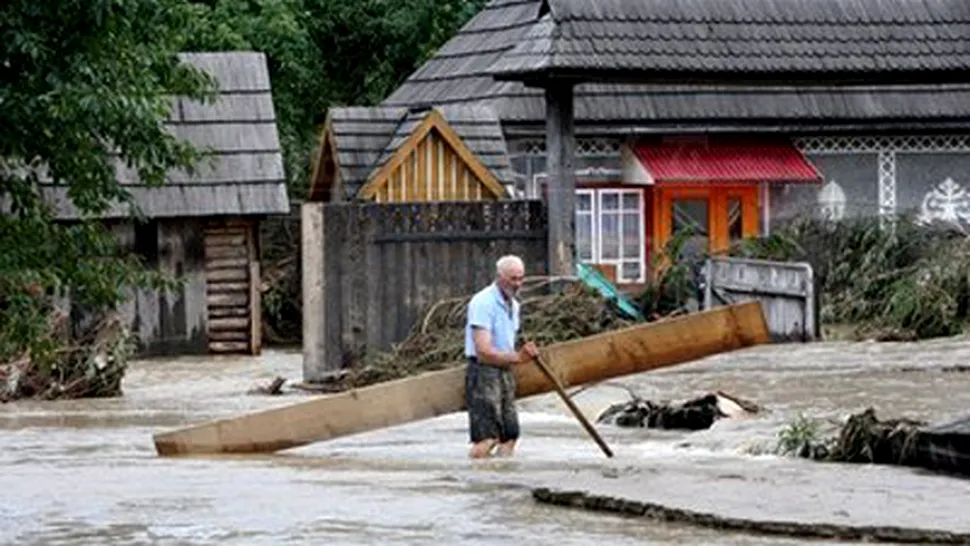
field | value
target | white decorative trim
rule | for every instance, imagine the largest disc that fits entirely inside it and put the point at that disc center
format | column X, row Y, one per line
column 876, row 144
column 585, row 147
column 601, row 173
column 885, row 148
column 887, row 183
column 608, row 147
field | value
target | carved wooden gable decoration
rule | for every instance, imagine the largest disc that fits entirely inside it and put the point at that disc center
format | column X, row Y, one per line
column 432, row 164
column 391, row 155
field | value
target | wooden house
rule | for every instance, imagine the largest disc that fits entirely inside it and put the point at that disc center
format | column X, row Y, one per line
column 417, row 154
column 204, row 228
column 728, row 161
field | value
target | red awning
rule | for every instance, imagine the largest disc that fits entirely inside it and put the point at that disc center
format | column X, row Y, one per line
column 692, row 161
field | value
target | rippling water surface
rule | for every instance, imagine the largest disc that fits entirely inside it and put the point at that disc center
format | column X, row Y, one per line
column 85, row 472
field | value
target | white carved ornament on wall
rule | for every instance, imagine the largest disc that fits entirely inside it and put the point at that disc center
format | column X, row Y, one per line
column 947, row 202
column 831, row 201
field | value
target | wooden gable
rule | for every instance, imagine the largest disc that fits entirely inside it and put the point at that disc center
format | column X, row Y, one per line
column 324, row 179
column 432, row 164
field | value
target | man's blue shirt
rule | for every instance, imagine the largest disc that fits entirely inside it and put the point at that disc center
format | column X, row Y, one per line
column 489, row 309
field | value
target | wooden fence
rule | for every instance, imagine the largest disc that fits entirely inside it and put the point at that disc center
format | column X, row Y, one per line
column 369, row 270
column 786, row 291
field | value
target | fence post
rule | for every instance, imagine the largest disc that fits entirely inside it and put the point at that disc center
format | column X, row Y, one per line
column 314, row 317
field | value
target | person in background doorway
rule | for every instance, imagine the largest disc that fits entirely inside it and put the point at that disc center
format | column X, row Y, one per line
column 490, row 332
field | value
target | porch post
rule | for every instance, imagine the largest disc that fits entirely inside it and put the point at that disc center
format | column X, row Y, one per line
column 561, row 181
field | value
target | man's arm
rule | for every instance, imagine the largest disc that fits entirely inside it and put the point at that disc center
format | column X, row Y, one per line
column 487, row 354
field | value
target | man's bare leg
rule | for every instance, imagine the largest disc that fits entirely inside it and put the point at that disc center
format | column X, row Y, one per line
column 482, row 449
column 507, row 449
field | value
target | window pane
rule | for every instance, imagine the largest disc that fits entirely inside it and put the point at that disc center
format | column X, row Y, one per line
column 610, row 201
column 631, row 202
column 691, row 214
column 630, row 271
column 584, row 236
column 584, row 201
column 734, row 219
column 609, row 236
column 631, row 236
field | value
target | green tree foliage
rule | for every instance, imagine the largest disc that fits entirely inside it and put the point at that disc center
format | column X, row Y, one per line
column 324, row 53
column 85, row 83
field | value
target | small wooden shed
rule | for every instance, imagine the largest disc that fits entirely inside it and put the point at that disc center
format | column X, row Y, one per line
column 394, row 155
column 204, row 228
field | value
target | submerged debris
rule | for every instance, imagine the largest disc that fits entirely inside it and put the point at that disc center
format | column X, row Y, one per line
column 274, row 388
column 696, row 414
column 91, row 366
column 903, row 442
column 437, row 341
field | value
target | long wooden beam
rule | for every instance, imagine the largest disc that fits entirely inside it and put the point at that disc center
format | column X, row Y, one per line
column 636, row 349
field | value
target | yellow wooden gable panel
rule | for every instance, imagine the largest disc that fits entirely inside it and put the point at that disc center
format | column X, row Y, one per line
column 432, row 165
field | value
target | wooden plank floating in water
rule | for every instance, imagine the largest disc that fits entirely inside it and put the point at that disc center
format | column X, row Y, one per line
column 636, row 349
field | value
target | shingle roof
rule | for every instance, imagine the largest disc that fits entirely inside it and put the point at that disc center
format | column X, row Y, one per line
column 244, row 173
column 459, row 74
column 769, row 39
column 360, row 135
column 366, row 137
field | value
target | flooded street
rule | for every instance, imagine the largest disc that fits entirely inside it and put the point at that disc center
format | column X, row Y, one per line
column 85, row 472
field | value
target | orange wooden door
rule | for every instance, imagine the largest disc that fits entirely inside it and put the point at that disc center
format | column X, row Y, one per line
column 735, row 214
column 718, row 216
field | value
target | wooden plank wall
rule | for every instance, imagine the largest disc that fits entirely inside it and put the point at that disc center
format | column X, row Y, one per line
column 786, row 291
column 383, row 265
column 168, row 322
column 432, row 172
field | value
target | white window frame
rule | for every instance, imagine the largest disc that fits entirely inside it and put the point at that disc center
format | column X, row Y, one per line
column 596, row 196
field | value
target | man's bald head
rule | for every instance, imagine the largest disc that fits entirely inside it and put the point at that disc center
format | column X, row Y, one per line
column 509, row 272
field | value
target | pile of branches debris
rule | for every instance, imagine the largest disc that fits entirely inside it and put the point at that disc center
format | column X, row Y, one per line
column 90, row 363
column 866, row 439
column 437, row 341
column 898, row 282
column 696, row 414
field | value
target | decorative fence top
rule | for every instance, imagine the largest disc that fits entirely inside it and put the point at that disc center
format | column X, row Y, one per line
column 448, row 220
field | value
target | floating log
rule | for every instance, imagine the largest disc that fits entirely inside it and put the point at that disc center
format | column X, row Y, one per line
column 636, row 349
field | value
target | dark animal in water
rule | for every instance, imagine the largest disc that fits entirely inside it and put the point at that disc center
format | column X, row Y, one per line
column 696, row 414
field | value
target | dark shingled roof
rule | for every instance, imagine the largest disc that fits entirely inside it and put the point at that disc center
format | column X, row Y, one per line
column 367, row 137
column 244, row 173
column 761, row 38
column 461, row 73
column 360, row 135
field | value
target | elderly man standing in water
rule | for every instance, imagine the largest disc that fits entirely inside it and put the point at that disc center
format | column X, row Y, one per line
column 493, row 322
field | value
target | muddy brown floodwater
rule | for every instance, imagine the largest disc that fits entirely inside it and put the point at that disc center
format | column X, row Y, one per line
column 85, row 472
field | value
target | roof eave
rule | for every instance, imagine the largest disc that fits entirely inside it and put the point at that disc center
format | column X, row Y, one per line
column 546, row 77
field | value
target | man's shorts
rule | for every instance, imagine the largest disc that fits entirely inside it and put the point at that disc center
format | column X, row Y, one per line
column 490, row 399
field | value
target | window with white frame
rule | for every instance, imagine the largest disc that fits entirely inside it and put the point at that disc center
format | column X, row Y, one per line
column 610, row 230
